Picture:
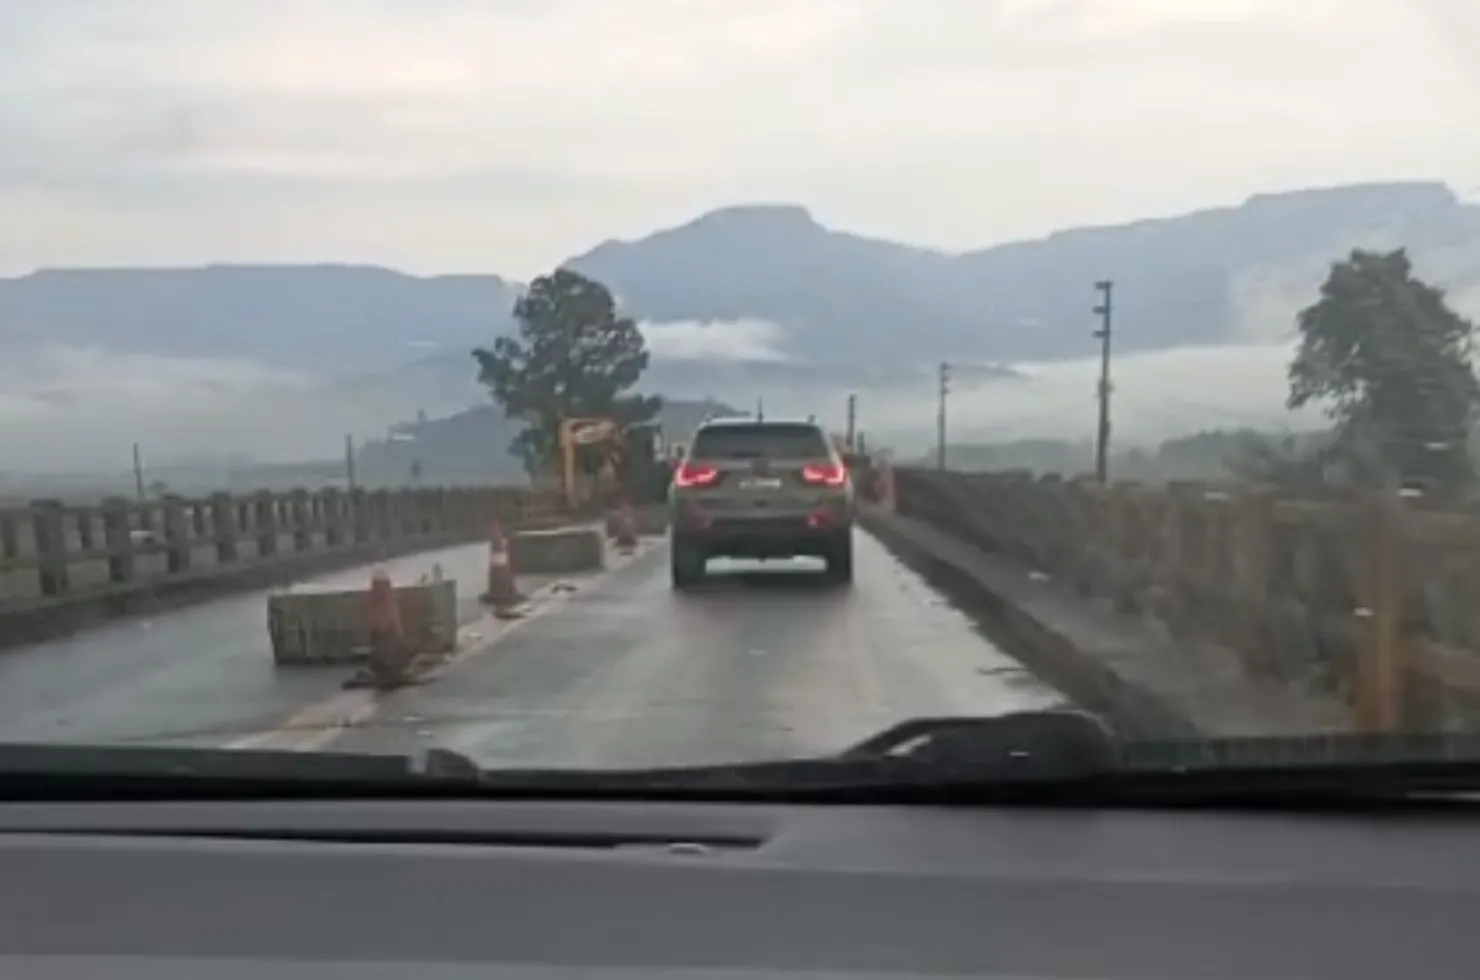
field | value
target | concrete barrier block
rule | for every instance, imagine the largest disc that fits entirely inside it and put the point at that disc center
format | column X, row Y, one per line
column 564, row 551
column 327, row 628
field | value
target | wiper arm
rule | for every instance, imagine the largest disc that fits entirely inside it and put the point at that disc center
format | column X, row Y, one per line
column 1053, row 744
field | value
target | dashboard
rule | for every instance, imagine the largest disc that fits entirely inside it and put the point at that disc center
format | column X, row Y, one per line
column 608, row 891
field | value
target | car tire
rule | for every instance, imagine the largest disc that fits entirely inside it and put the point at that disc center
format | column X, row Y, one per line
column 840, row 560
column 685, row 564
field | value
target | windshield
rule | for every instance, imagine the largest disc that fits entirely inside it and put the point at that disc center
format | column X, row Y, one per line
column 768, row 440
column 376, row 378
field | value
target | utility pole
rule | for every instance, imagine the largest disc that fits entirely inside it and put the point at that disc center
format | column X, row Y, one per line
column 1102, row 440
column 852, row 418
column 138, row 473
column 349, row 462
column 940, row 416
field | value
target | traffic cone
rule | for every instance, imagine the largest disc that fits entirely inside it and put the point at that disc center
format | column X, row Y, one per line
column 502, row 594
column 390, row 654
column 626, row 536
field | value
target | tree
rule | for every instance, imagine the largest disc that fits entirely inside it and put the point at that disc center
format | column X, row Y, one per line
column 1304, row 470
column 573, row 356
column 1391, row 361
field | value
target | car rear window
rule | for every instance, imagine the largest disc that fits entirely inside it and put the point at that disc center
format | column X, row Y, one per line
column 778, row 440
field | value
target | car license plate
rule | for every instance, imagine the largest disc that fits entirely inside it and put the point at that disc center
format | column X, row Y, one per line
column 761, row 483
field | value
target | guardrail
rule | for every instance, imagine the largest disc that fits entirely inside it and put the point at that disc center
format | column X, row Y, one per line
column 1369, row 600
column 60, row 563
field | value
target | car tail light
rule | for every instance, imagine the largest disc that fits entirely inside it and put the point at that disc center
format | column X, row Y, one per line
column 689, row 475
column 825, row 474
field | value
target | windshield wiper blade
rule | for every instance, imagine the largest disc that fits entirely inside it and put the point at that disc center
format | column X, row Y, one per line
column 1007, row 752
column 1323, row 767
column 1331, row 751
column 29, row 768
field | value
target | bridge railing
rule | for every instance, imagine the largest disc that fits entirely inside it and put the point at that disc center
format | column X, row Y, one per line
column 1370, row 600
column 51, row 551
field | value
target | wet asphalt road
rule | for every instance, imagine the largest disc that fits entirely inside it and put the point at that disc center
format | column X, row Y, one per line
column 758, row 664
column 765, row 661
column 201, row 671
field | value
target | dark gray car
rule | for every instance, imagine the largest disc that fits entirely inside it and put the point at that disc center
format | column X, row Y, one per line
column 761, row 489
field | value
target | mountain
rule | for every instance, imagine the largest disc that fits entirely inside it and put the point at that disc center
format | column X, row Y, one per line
column 839, row 299
column 312, row 317
column 1193, row 279
column 279, row 363
column 836, row 295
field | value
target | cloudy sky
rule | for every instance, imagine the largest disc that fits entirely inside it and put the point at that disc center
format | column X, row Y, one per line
column 505, row 135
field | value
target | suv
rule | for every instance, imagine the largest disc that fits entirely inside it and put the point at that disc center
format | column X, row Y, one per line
column 760, row 489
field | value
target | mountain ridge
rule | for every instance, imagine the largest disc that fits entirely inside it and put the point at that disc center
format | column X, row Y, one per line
column 842, row 312
column 830, row 291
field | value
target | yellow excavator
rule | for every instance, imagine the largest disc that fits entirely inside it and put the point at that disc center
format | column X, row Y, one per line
column 634, row 463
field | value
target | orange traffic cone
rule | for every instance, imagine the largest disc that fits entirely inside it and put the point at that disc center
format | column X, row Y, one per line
column 502, row 594
column 626, row 536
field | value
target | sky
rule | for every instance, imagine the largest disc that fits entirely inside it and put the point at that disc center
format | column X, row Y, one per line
column 507, row 135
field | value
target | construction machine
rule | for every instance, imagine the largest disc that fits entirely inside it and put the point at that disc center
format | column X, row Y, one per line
column 634, row 461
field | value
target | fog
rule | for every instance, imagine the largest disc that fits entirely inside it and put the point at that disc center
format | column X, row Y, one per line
column 80, row 410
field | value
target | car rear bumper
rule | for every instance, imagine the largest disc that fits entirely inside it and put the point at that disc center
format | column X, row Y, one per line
column 769, row 537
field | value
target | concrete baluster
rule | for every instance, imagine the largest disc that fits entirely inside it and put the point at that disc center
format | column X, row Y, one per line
column 117, row 538
column 224, row 527
column 300, row 520
column 49, row 517
column 176, row 535
column 265, row 523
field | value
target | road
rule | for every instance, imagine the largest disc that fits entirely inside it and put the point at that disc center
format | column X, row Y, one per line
column 753, row 666
column 762, row 662
column 205, row 671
